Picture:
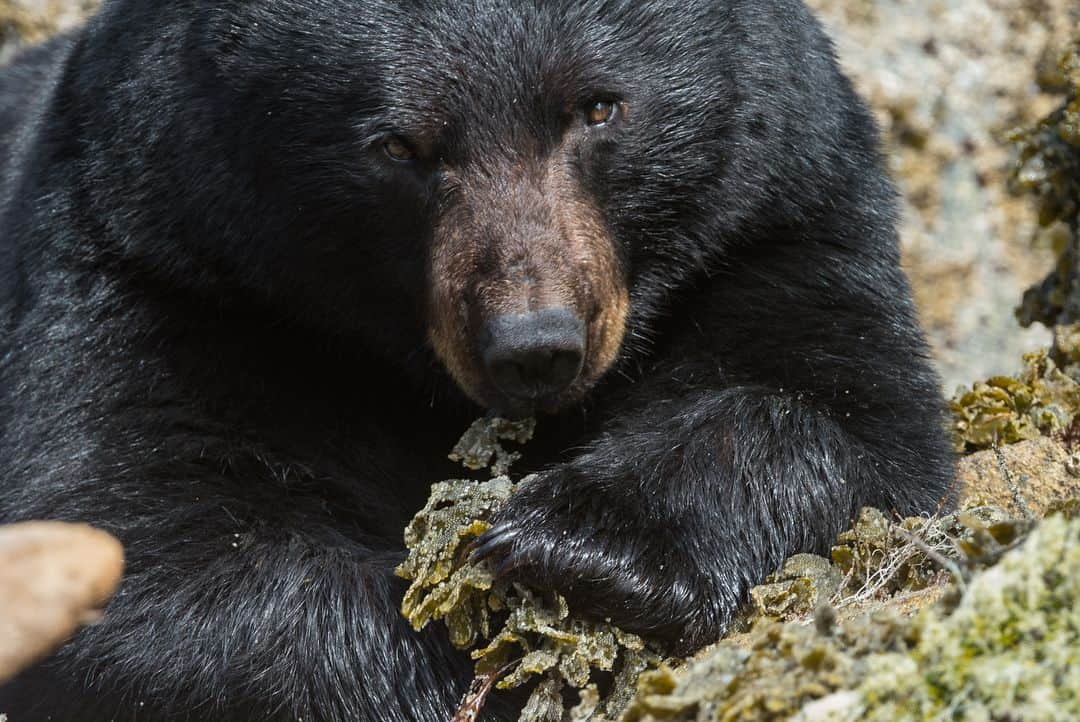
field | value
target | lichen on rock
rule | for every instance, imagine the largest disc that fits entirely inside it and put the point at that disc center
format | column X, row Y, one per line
column 1011, row 645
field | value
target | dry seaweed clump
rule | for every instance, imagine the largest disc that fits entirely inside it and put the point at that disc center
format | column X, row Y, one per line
column 444, row 585
column 900, row 623
column 1049, row 167
column 1007, row 649
column 880, row 563
column 1044, row 398
column 524, row 637
column 479, row 447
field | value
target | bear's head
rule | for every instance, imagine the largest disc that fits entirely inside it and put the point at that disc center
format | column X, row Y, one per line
column 521, row 187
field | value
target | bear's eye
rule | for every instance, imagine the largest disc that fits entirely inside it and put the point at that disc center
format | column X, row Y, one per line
column 398, row 149
column 601, row 112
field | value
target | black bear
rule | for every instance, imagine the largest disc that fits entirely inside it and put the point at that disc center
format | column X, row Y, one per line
column 261, row 262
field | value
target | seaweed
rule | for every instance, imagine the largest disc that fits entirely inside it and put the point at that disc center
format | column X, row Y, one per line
column 1010, row 642
column 517, row 636
column 479, row 446
column 839, row 638
column 1042, row 399
column 1048, row 166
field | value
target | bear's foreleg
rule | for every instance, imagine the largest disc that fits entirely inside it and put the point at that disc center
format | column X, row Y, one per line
column 667, row 520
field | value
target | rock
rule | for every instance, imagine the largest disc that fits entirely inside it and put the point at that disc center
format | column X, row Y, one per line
column 29, row 21
column 947, row 79
column 836, row 707
column 53, row 579
column 1011, row 645
column 1028, row 478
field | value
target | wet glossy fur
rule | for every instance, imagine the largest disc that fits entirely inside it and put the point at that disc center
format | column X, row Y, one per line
column 213, row 298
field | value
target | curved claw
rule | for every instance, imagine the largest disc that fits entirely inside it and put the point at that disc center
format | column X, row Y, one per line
column 491, row 541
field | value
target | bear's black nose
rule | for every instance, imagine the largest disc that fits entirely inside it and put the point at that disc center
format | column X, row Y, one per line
column 533, row 355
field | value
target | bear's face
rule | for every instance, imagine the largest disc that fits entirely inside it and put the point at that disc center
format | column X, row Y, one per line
column 538, row 172
column 528, row 297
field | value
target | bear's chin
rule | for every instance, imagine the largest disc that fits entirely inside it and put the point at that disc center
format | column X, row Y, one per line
column 518, row 409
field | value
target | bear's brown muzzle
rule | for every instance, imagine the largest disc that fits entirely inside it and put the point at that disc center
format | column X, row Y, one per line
column 529, row 300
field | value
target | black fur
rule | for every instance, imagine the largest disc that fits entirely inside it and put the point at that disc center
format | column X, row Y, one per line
column 212, row 292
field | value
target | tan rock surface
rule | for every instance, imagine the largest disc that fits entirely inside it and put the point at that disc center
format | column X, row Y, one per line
column 1025, row 479
column 53, row 579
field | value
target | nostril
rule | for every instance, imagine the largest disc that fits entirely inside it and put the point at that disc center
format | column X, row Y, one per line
column 507, row 374
column 535, row 354
column 536, row 372
column 564, row 368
